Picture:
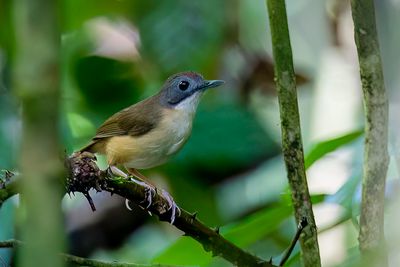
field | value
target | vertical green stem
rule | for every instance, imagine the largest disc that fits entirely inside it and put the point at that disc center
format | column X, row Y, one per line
column 291, row 132
column 376, row 157
column 36, row 83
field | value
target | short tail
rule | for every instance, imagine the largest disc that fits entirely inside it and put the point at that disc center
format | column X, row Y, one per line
column 89, row 147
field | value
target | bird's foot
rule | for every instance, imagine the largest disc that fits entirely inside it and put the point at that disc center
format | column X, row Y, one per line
column 175, row 210
column 150, row 190
column 149, row 193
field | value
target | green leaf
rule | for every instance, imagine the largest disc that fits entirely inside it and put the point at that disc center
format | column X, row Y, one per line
column 322, row 148
column 186, row 251
column 256, row 226
column 318, row 198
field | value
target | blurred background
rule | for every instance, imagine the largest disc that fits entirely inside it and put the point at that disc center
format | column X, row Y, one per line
column 117, row 52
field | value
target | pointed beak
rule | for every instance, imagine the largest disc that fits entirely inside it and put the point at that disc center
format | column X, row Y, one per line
column 211, row 84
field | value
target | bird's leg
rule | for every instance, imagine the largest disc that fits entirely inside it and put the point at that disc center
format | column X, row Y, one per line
column 113, row 170
column 171, row 205
column 152, row 190
column 143, row 181
column 140, row 177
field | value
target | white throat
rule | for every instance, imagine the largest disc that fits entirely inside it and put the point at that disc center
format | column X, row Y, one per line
column 190, row 104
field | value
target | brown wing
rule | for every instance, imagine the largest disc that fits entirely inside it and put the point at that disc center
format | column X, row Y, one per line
column 135, row 120
column 125, row 122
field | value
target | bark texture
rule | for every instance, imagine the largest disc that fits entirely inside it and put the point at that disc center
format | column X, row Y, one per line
column 291, row 132
column 376, row 158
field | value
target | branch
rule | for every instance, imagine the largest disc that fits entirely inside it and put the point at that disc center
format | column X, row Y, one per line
column 36, row 84
column 376, row 156
column 84, row 174
column 291, row 132
column 302, row 224
column 71, row 259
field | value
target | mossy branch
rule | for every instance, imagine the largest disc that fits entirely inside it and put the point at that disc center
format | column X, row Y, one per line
column 291, row 132
column 85, row 174
column 376, row 156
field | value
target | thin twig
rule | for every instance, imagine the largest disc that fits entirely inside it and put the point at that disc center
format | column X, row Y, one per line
column 11, row 243
column 300, row 227
column 68, row 258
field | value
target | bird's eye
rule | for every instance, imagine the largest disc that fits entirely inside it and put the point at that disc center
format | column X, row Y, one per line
column 183, row 85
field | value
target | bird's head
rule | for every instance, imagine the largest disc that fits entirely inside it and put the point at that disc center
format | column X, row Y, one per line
column 183, row 90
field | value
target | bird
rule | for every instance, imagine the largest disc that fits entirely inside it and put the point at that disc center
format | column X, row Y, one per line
column 148, row 133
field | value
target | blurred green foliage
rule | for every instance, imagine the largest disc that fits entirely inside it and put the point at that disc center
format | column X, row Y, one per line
column 231, row 147
column 325, row 147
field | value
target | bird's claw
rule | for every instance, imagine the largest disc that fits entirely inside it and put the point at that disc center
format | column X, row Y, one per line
column 149, row 193
column 175, row 210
